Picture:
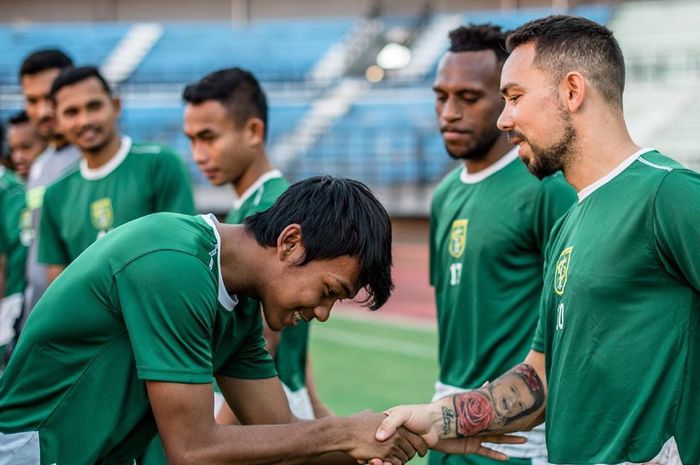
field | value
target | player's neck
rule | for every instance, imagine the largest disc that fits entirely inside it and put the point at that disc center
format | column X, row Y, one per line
column 98, row 158
column 497, row 151
column 240, row 259
column 259, row 167
column 59, row 142
column 599, row 149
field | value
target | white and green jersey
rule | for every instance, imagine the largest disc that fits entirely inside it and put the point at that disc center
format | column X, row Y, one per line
column 487, row 236
column 87, row 203
column 290, row 355
column 11, row 206
column 620, row 317
column 147, row 302
column 48, row 167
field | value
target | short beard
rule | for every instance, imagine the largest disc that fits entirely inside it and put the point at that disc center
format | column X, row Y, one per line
column 479, row 151
column 547, row 161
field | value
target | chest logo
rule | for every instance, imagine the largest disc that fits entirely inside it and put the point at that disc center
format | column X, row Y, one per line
column 458, row 237
column 561, row 271
column 102, row 214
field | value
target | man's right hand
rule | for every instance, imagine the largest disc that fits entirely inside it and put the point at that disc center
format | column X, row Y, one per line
column 396, row 449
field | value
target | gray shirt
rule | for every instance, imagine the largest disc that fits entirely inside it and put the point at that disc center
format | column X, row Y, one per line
column 48, row 167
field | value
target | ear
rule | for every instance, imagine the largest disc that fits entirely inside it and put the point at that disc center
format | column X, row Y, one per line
column 255, row 131
column 117, row 103
column 573, row 91
column 290, row 246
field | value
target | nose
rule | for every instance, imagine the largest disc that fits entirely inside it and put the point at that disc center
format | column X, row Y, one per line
column 505, row 120
column 199, row 154
column 450, row 110
column 323, row 312
column 45, row 108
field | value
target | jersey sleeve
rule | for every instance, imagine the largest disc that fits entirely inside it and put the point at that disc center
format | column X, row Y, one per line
column 677, row 225
column 168, row 302
column 52, row 248
column 554, row 198
column 173, row 186
column 251, row 360
column 432, row 252
column 15, row 251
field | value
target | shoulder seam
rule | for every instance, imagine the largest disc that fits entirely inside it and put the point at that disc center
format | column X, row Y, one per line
column 654, row 165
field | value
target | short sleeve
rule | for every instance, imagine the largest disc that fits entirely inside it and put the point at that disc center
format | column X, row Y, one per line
column 677, row 225
column 173, row 185
column 168, row 302
column 555, row 197
column 52, row 249
column 432, row 255
column 12, row 247
column 251, row 360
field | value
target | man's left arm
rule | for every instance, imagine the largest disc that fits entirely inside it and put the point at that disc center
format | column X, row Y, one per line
column 677, row 225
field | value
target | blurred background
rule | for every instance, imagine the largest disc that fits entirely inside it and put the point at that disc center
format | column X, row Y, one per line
column 349, row 88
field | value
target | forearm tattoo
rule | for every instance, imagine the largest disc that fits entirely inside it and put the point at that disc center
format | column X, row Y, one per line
column 447, row 418
column 515, row 395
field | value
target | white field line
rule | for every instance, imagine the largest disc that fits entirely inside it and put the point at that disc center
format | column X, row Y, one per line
column 363, row 341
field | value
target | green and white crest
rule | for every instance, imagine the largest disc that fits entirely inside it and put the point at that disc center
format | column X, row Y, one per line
column 458, row 237
column 101, row 214
column 561, row 271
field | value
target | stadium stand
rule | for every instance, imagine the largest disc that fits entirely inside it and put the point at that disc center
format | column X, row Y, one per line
column 272, row 50
column 325, row 117
column 95, row 43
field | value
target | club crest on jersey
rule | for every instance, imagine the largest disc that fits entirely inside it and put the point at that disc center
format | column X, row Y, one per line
column 561, row 271
column 101, row 213
column 458, row 237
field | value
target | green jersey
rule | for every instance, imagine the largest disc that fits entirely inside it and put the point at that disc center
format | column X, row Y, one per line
column 11, row 206
column 147, row 302
column 87, row 203
column 620, row 317
column 290, row 355
column 487, row 233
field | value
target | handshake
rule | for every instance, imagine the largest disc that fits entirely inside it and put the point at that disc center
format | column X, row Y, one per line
column 395, row 437
column 460, row 423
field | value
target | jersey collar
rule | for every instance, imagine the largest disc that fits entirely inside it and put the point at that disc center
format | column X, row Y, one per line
column 588, row 190
column 228, row 301
column 101, row 172
column 473, row 178
column 272, row 174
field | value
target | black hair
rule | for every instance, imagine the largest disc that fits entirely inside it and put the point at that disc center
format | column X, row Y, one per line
column 20, row 117
column 72, row 75
column 236, row 89
column 41, row 60
column 477, row 37
column 571, row 43
column 338, row 217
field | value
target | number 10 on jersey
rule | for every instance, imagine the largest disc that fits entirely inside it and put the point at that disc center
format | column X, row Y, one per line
column 455, row 273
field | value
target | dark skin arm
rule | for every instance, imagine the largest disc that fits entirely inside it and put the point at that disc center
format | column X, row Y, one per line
column 191, row 436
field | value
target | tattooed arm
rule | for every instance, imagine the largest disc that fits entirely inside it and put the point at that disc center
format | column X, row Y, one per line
column 513, row 402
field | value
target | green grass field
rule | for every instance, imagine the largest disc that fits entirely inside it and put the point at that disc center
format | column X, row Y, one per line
column 370, row 363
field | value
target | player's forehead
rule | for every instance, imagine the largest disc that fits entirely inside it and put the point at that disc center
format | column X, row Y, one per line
column 467, row 70
column 519, row 70
column 85, row 90
column 208, row 114
column 39, row 84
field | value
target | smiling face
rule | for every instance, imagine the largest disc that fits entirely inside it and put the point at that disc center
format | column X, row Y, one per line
column 293, row 291
column 534, row 117
column 467, row 102
column 87, row 115
column 220, row 149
